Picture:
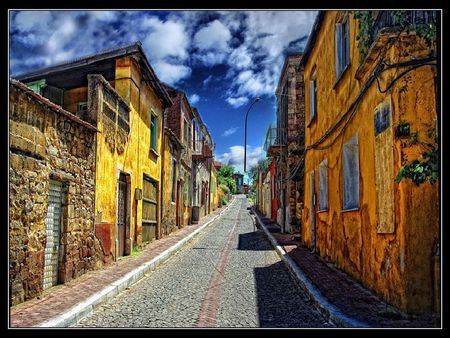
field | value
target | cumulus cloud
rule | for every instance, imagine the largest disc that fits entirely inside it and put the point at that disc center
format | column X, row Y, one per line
column 237, row 102
column 235, row 157
column 230, row 131
column 165, row 39
column 214, row 36
column 194, row 98
column 171, row 73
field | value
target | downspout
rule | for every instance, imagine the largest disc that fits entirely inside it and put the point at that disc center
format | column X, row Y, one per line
column 163, row 146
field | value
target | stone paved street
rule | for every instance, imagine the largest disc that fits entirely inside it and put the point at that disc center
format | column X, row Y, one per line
column 229, row 276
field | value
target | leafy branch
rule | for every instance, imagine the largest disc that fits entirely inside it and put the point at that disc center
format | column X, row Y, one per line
column 426, row 169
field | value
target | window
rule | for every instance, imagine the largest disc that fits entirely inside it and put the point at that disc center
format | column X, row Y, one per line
column 82, row 107
column 342, row 48
column 350, row 170
column 186, row 132
column 382, row 118
column 153, row 132
column 323, row 185
column 37, row 86
column 174, row 180
column 312, row 97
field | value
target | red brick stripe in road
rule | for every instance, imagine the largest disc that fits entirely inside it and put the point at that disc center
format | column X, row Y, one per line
column 208, row 309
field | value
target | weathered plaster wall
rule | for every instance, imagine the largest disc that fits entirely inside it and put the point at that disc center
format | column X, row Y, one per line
column 396, row 265
column 47, row 145
column 134, row 157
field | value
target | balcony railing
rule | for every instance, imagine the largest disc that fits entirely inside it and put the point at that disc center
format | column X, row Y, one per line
column 386, row 19
column 201, row 150
column 276, row 138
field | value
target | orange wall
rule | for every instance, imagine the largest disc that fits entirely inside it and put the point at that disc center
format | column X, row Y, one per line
column 396, row 265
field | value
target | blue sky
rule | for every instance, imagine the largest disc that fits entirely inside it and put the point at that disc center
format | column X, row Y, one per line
column 223, row 60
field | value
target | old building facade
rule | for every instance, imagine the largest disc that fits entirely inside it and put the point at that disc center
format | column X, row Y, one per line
column 202, row 160
column 285, row 143
column 358, row 107
column 118, row 92
column 51, row 195
column 179, row 120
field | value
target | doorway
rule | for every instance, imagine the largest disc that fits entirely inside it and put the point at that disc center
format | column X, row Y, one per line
column 121, row 213
column 53, row 227
column 312, row 211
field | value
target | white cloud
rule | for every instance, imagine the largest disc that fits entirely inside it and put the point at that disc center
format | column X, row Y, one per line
column 211, row 58
column 237, row 102
column 106, row 16
column 171, row 73
column 240, row 57
column 165, row 39
column 235, row 157
column 215, row 36
column 230, row 131
column 26, row 21
column 194, row 98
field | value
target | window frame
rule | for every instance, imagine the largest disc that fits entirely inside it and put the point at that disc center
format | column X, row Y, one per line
column 341, row 47
column 353, row 141
column 322, row 165
column 153, row 131
column 312, row 97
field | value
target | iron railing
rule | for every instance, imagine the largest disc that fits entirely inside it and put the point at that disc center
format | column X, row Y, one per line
column 275, row 137
column 386, row 19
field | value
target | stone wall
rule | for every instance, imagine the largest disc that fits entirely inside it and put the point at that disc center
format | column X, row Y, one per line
column 48, row 143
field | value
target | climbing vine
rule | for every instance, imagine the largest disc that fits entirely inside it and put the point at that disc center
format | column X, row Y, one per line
column 426, row 169
column 401, row 19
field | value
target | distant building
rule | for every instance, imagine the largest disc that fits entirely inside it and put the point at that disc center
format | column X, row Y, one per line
column 239, row 179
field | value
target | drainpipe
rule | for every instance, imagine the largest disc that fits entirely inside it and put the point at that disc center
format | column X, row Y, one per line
column 163, row 145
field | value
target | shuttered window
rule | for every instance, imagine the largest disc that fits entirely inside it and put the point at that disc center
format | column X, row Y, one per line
column 149, row 201
column 342, row 47
column 323, row 185
column 154, row 132
column 312, row 98
column 350, row 171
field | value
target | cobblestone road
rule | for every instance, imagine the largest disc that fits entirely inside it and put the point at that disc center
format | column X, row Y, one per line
column 229, row 276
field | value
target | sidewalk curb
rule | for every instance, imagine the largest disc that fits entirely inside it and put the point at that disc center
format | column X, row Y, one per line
column 81, row 310
column 330, row 311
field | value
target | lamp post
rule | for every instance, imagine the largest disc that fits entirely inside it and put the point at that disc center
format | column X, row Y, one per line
column 245, row 145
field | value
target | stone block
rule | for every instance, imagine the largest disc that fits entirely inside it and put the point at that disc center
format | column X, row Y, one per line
column 16, row 161
column 21, row 143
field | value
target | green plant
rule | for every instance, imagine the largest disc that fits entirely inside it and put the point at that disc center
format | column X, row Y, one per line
column 426, row 169
column 365, row 32
column 135, row 251
column 225, row 177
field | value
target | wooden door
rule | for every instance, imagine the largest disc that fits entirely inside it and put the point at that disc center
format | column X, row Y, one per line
column 122, row 213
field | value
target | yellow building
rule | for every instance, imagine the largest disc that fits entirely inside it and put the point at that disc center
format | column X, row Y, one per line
column 214, row 190
column 362, row 112
column 119, row 93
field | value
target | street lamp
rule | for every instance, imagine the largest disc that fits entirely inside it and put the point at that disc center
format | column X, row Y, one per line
column 245, row 145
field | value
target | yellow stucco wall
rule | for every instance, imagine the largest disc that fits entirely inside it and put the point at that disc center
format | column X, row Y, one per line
column 396, row 265
column 137, row 159
column 214, row 192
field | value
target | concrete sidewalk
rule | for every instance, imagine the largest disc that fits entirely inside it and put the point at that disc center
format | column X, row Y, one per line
column 65, row 304
column 334, row 293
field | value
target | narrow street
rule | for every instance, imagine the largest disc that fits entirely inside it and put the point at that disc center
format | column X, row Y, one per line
column 229, row 276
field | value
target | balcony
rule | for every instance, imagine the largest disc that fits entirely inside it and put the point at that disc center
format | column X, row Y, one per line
column 201, row 151
column 276, row 141
column 386, row 27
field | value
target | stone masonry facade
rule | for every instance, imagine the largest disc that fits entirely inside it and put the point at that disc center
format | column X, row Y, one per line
column 48, row 143
column 293, row 77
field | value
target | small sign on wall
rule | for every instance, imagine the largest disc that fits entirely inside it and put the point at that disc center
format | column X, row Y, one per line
column 382, row 118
